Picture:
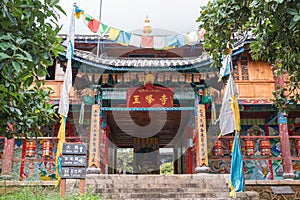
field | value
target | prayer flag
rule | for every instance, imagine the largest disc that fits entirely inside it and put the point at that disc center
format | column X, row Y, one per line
column 63, row 108
column 113, row 34
column 159, row 42
column 192, row 38
column 124, row 38
column 135, row 40
column 171, row 41
column 230, row 114
column 94, row 25
column 236, row 171
column 78, row 12
column 181, row 39
column 61, row 139
column 226, row 66
column 103, row 29
column 201, row 34
column 87, row 17
column 147, row 41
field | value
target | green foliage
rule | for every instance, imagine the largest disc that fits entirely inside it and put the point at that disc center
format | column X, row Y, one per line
column 167, row 168
column 40, row 193
column 125, row 160
column 28, row 41
column 275, row 24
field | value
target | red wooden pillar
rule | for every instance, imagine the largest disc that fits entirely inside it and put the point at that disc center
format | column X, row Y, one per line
column 284, row 138
column 285, row 147
column 8, row 155
column 189, row 155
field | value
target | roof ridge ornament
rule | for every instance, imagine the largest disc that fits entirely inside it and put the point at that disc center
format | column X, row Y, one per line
column 147, row 27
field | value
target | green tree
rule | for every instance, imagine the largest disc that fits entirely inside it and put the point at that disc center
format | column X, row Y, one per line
column 28, row 30
column 167, row 168
column 125, row 160
column 275, row 24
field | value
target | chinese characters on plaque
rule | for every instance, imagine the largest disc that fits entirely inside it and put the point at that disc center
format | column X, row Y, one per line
column 201, row 125
column 73, row 160
column 74, row 148
column 94, row 137
column 154, row 96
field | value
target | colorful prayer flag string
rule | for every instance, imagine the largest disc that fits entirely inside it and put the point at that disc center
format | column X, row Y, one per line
column 125, row 38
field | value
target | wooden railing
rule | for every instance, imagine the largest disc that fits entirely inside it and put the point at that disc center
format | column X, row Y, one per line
column 255, row 89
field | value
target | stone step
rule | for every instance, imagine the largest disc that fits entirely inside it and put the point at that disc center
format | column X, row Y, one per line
column 158, row 177
column 159, row 182
column 183, row 187
column 156, row 195
column 159, row 185
column 156, row 181
column 159, row 190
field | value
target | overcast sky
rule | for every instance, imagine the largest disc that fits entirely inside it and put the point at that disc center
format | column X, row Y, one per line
column 176, row 15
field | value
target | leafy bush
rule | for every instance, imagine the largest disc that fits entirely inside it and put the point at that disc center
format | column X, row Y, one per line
column 167, row 168
column 40, row 193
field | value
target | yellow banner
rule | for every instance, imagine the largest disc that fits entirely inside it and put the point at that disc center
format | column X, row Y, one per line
column 202, row 136
column 94, row 137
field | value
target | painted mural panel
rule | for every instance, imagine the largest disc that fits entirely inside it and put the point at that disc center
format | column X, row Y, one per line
column 33, row 168
column 256, row 167
column 296, row 167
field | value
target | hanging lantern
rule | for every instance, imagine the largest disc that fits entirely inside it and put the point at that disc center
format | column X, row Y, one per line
column 298, row 147
column 265, row 148
column 189, row 78
column 167, row 76
column 105, row 78
column 141, row 76
column 218, row 148
column 249, row 147
column 47, row 148
column 30, row 148
column 174, row 78
column 181, row 78
column 160, row 77
column 196, row 77
column 119, row 78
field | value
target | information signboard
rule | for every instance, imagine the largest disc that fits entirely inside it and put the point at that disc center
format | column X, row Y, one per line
column 74, row 160
column 73, row 172
column 74, row 149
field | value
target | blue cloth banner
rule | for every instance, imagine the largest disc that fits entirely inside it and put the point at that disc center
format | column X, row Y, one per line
column 236, row 170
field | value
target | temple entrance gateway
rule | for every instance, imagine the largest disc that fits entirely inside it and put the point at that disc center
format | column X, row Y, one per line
column 138, row 131
column 148, row 114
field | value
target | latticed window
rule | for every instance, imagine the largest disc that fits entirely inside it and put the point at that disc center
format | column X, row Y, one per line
column 236, row 73
column 241, row 70
column 244, row 69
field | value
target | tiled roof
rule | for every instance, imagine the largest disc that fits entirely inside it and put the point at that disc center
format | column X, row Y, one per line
column 141, row 62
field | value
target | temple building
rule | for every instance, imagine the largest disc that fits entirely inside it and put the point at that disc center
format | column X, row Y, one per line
column 160, row 105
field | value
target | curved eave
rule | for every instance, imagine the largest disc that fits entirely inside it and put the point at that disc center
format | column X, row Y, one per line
column 201, row 63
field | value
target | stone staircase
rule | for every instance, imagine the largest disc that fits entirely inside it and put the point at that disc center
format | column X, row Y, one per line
column 184, row 187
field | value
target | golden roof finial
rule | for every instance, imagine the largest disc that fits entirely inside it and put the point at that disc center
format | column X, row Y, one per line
column 147, row 26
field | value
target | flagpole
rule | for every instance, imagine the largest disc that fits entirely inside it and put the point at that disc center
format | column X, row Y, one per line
column 98, row 44
column 63, row 108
